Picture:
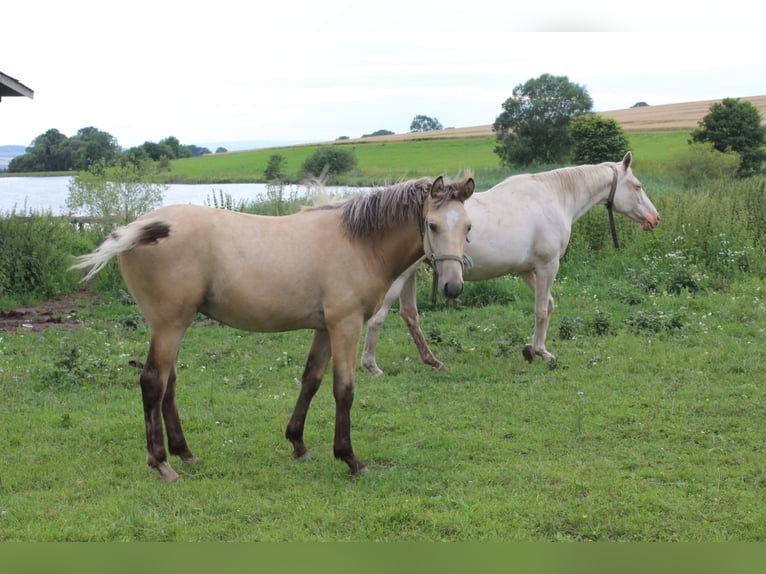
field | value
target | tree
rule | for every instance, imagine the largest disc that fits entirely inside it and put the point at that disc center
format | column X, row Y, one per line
column 177, row 150
column 335, row 160
column 113, row 194
column 596, row 139
column 51, row 151
column 734, row 125
column 535, row 120
column 197, row 151
column 273, row 171
column 91, row 145
column 378, row 133
column 422, row 123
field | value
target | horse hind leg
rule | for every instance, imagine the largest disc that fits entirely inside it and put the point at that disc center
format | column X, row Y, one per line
column 316, row 366
column 408, row 310
column 157, row 378
column 176, row 440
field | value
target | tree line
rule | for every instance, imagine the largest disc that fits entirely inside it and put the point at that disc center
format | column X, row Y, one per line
column 54, row 151
column 547, row 120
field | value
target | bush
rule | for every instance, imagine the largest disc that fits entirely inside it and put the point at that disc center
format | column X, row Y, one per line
column 35, row 255
column 114, row 195
column 701, row 163
column 596, row 139
column 333, row 159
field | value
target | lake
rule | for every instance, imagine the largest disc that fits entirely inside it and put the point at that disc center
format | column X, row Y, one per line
column 43, row 194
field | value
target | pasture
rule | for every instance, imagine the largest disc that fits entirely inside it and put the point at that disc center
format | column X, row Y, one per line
column 649, row 426
column 382, row 163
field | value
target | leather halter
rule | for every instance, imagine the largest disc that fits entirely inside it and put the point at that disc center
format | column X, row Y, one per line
column 609, row 203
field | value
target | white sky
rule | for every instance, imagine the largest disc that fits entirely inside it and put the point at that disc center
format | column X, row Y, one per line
column 297, row 70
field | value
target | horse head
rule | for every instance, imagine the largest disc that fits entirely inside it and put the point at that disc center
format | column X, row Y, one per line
column 629, row 197
column 445, row 232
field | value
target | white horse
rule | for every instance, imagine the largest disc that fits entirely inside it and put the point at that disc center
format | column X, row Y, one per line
column 522, row 226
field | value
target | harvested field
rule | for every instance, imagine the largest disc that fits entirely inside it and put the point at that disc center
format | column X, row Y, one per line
column 645, row 119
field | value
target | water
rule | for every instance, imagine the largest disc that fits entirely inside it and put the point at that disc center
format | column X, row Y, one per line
column 44, row 194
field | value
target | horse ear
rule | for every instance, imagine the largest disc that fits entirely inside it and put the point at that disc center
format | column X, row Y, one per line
column 626, row 161
column 437, row 188
column 466, row 190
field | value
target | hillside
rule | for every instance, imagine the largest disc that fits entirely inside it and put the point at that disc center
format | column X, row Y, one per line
column 645, row 119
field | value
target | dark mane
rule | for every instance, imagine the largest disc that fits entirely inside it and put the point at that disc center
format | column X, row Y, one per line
column 387, row 207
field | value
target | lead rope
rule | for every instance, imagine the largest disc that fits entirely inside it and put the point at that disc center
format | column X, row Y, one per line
column 609, row 203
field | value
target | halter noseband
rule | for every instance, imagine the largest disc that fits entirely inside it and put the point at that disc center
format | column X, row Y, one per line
column 609, row 203
column 432, row 258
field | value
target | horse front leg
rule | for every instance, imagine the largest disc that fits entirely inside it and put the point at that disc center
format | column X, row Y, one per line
column 408, row 310
column 375, row 323
column 316, row 365
column 345, row 339
column 541, row 282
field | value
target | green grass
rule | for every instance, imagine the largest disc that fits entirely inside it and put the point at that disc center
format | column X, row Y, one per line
column 651, row 431
column 378, row 163
column 648, row 427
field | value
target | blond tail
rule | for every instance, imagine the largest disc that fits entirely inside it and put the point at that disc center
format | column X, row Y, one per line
column 119, row 241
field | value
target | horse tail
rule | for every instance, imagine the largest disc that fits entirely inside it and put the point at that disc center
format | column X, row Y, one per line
column 119, row 241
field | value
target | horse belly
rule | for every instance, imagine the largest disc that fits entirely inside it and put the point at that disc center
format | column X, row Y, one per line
column 264, row 308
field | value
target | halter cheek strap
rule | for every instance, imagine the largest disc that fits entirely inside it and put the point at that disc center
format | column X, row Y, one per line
column 609, row 204
column 432, row 258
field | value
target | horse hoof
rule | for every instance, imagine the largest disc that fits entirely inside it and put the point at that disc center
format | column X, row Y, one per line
column 374, row 370
column 528, row 353
column 305, row 457
column 439, row 367
column 167, row 474
column 358, row 470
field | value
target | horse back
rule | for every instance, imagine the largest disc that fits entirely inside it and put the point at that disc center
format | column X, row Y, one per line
column 252, row 272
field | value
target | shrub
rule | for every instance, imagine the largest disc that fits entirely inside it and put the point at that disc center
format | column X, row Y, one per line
column 115, row 195
column 596, row 139
column 701, row 163
column 35, row 254
column 333, row 159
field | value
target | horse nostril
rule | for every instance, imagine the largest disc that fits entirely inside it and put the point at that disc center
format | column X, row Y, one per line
column 452, row 290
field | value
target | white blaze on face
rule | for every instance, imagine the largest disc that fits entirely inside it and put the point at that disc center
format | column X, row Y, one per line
column 453, row 217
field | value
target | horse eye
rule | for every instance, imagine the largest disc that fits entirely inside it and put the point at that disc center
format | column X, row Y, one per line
column 433, row 227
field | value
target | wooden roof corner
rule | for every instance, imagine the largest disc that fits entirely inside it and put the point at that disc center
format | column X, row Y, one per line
column 12, row 87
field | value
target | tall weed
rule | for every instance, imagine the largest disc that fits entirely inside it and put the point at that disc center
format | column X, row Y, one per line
column 35, row 254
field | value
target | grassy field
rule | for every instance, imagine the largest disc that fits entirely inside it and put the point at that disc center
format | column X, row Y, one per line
column 653, row 430
column 649, row 426
column 384, row 162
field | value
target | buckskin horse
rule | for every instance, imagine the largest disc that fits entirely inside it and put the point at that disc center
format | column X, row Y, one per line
column 324, row 268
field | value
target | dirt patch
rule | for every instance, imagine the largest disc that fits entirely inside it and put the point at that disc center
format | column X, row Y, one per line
column 64, row 311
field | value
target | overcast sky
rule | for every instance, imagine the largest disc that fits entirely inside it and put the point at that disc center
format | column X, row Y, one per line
column 296, row 70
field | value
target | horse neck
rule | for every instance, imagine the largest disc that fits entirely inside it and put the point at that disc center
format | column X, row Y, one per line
column 586, row 186
column 399, row 249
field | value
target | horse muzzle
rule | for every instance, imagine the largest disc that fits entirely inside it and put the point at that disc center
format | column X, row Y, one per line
column 452, row 289
column 651, row 222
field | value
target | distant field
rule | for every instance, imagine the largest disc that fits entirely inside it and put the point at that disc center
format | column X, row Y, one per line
column 645, row 119
column 655, row 133
column 384, row 162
